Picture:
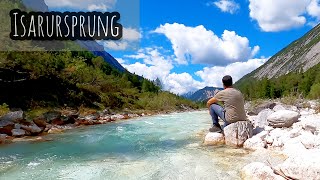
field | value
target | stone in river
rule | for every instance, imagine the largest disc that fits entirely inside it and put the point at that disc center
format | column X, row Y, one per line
column 237, row 133
column 213, row 139
column 258, row 171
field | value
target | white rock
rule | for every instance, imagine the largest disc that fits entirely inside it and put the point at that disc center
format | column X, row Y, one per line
column 268, row 128
column 237, row 133
column 18, row 132
column 12, row 116
column 283, row 118
column 269, row 139
column 213, row 139
column 314, row 104
column 254, row 143
column 252, row 119
column 304, row 166
column 279, row 107
column 258, row 171
column 307, row 111
column 293, row 147
column 277, row 137
column 277, row 143
column 32, row 128
column 262, row 135
column 310, row 123
column 261, row 119
column 309, row 140
column 295, row 132
column 276, row 133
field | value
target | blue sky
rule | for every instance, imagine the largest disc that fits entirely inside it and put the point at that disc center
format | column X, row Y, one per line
column 194, row 43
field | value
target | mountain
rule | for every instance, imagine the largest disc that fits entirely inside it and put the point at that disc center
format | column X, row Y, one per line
column 294, row 71
column 202, row 94
column 93, row 46
column 299, row 56
column 36, row 5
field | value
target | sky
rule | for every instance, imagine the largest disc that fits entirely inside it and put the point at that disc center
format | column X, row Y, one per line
column 190, row 44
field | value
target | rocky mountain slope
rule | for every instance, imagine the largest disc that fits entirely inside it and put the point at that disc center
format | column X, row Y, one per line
column 299, row 56
column 202, row 94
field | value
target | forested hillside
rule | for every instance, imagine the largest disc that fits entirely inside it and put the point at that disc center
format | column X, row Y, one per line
column 40, row 78
column 298, row 84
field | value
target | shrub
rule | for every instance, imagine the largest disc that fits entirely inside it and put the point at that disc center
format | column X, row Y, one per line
column 4, row 109
column 315, row 91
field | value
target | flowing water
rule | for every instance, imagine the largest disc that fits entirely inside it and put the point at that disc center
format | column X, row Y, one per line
column 158, row 147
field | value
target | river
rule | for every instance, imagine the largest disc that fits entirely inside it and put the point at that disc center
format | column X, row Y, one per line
column 156, row 147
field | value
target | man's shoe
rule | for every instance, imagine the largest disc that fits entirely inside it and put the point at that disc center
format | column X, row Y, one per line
column 215, row 129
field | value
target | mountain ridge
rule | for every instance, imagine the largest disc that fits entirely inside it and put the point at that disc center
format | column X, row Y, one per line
column 299, row 56
column 202, row 94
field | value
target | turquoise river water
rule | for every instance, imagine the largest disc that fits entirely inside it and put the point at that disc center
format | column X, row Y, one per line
column 157, row 147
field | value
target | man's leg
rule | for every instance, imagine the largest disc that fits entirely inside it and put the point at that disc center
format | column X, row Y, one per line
column 215, row 112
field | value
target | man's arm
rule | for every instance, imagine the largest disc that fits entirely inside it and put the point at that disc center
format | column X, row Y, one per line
column 211, row 101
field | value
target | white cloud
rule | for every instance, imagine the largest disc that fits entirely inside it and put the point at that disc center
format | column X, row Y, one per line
column 181, row 83
column 279, row 15
column 212, row 76
column 202, row 46
column 131, row 34
column 228, row 6
column 313, row 9
column 115, row 45
column 155, row 65
column 130, row 38
column 97, row 7
column 90, row 5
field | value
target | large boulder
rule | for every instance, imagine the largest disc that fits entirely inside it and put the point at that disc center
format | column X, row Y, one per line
column 258, row 171
column 283, row 118
column 213, row 139
column 261, row 120
column 18, row 132
column 311, row 123
column 13, row 116
column 254, row 143
column 4, row 123
column 31, row 127
column 237, row 133
column 304, row 166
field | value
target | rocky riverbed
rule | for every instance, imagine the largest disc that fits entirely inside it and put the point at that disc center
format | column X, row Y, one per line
column 289, row 130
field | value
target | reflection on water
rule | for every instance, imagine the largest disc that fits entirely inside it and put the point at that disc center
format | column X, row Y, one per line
column 159, row 147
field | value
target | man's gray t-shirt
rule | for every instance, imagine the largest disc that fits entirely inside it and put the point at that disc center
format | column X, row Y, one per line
column 233, row 103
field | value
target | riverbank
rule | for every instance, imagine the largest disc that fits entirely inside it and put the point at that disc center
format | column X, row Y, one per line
column 16, row 127
column 291, row 131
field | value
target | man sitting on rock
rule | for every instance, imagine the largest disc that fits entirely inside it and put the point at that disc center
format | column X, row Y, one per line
column 233, row 110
